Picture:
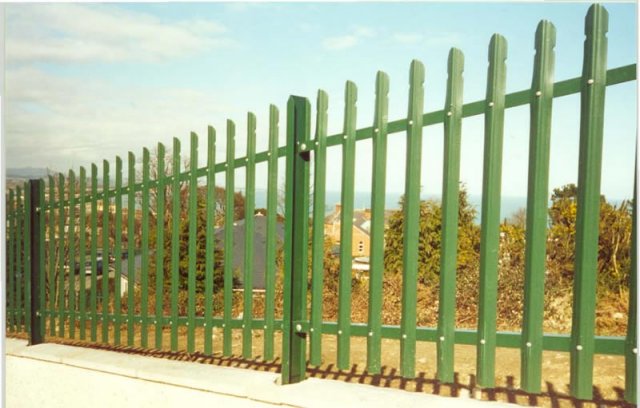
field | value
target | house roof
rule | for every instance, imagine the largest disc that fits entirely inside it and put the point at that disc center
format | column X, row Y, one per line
column 361, row 218
column 259, row 247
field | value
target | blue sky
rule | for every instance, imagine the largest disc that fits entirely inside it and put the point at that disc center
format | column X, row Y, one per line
column 86, row 82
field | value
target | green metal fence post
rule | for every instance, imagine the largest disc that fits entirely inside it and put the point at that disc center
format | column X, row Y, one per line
column 52, row 259
column 376, row 247
column 228, row 238
column 249, row 227
column 272, row 204
column 144, row 244
column 11, row 219
column 490, row 232
column 117, row 253
column 61, row 257
column 94, row 253
column 210, row 240
column 131, row 234
column 27, row 258
column 160, row 225
column 175, row 241
column 192, row 243
column 72, row 255
column 296, row 240
column 450, row 209
column 82, row 249
column 104, row 280
column 594, row 75
column 36, row 236
column 346, row 225
column 19, row 262
column 537, row 207
column 411, row 221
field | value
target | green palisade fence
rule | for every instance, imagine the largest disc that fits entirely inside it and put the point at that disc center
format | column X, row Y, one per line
column 490, row 215
column 538, row 191
column 67, row 241
column 450, row 205
column 588, row 216
column 117, row 248
column 346, row 223
column 378, row 182
column 270, row 260
column 210, row 242
column 411, row 224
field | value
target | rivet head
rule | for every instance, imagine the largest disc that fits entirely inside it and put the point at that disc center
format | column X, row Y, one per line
column 311, row 330
column 187, row 323
column 376, row 130
column 317, row 143
column 528, row 344
column 404, row 336
column 441, row 338
column 298, row 327
column 268, row 153
column 265, row 327
column 223, row 325
column 578, row 347
column 370, row 334
column 490, row 104
column 246, row 160
column 482, row 341
column 449, row 113
column 339, row 331
column 590, row 81
column 411, row 122
column 538, row 93
column 635, row 351
column 344, row 137
column 204, row 325
column 243, row 326
column 303, row 146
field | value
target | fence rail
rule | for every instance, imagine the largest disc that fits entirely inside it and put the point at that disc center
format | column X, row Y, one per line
column 167, row 222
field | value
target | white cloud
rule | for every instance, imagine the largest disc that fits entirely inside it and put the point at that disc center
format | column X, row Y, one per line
column 407, row 38
column 348, row 41
column 83, row 33
column 58, row 122
column 364, row 32
column 340, row 43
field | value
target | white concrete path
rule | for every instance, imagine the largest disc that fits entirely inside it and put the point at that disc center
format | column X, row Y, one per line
column 53, row 375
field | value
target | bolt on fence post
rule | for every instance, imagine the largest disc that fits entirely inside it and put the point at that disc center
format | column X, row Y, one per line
column 296, row 239
column 36, row 236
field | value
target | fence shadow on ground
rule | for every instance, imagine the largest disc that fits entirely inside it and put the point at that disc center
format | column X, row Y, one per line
column 388, row 378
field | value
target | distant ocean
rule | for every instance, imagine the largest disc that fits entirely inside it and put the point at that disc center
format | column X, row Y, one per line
column 362, row 199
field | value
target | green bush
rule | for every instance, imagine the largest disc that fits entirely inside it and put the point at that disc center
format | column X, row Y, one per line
column 429, row 238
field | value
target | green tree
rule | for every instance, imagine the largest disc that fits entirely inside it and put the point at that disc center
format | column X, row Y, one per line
column 183, row 256
column 221, row 204
column 430, row 236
